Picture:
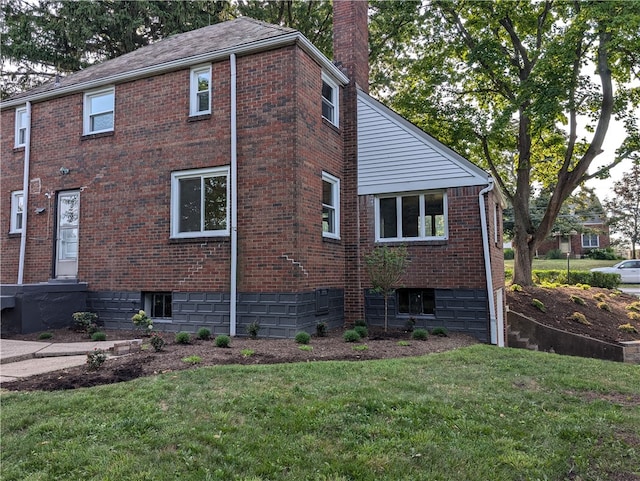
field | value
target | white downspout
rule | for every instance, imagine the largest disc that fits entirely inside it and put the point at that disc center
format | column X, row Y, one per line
column 495, row 338
column 234, row 202
column 25, row 196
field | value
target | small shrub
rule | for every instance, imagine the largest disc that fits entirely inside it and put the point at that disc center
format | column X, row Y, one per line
column 628, row 327
column 410, row 324
column 360, row 347
column 604, row 306
column 634, row 306
column 247, row 352
column 538, row 304
column 95, row 359
column 600, row 297
column 183, row 338
column 203, row 334
column 192, row 359
column 222, row 341
column 606, row 254
column 362, row 331
column 303, row 337
column 253, row 329
column 360, row 322
column 420, row 334
column 554, row 254
column 305, row 347
column 584, row 287
column 403, row 343
column 157, row 341
column 142, row 321
column 579, row 317
column 351, row 336
column 85, row 322
column 634, row 316
column 98, row 336
column 321, row 329
column 439, row 331
column 508, row 254
column 45, row 335
column 515, row 288
column 577, row 299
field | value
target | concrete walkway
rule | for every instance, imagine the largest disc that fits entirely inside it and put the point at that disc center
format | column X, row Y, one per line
column 19, row 359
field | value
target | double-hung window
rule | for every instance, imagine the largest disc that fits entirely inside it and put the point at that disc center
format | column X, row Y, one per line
column 409, row 217
column 200, row 96
column 99, row 111
column 330, row 100
column 21, row 127
column 17, row 211
column 199, row 203
column 330, row 206
column 590, row 240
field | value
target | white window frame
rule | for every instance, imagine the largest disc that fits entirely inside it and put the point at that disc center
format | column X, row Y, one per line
column 334, row 103
column 175, row 202
column 21, row 125
column 422, row 235
column 88, row 114
column 193, row 90
column 590, row 236
column 335, row 195
column 16, row 209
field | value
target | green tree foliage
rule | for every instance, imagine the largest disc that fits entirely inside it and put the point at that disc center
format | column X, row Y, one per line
column 512, row 84
column 624, row 208
column 385, row 266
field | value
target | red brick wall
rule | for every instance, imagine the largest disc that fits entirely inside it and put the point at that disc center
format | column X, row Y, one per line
column 283, row 146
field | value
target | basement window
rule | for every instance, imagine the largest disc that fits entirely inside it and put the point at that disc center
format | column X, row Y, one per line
column 157, row 305
column 416, row 301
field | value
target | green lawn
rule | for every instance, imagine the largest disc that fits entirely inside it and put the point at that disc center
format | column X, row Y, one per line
column 479, row 413
column 560, row 264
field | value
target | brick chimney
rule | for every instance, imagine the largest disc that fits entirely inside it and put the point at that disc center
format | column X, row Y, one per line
column 351, row 39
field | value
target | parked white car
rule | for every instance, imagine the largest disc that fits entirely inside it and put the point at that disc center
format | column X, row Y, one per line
column 629, row 271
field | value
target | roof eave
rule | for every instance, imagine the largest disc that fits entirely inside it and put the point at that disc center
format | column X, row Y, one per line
column 257, row 46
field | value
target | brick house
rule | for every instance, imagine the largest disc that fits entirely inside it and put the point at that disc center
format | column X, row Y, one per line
column 592, row 234
column 234, row 174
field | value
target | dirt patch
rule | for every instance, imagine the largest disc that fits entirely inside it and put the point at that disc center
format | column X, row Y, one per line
column 147, row 362
column 559, row 306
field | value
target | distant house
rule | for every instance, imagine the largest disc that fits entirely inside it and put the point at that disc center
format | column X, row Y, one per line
column 234, row 174
column 592, row 234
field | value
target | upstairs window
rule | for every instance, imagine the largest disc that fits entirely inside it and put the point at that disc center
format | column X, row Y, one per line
column 330, row 206
column 330, row 100
column 99, row 111
column 17, row 211
column 199, row 205
column 21, row 127
column 590, row 240
column 411, row 217
column 200, row 91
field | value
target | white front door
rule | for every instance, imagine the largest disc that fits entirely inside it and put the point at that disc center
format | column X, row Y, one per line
column 67, row 234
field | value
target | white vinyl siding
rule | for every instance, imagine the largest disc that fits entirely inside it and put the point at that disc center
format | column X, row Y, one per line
column 200, row 203
column 98, row 113
column 330, row 206
column 395, row 156
column 17, row 212
column 200, row 96
column 21, row 127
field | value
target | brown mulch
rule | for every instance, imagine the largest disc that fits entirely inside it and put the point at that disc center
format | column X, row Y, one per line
column 147, row 362
column 603, row 324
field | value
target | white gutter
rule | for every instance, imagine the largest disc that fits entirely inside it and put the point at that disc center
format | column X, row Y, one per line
column 222, row 54
column 234, row 201
column 496, row 338
column 25, row 196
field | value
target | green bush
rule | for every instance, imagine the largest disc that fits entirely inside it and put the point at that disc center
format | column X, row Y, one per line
column 579, row 317
column 222, row 341
column 303, row 337
column 577, row 299
column 360, row 322
column 595, row 279
column 508, row 275
column 45, row 335
column 157, row 341
column 362, row 331
column 554, row 254
column 321, row 329
column 628, row 327
column 204, row 334
column 508, row 254
column 351, row 336
column 183, row 338
column 85, row 322
column 253, row 329
column 98, row 336
column 192, row 359
column 439, row 331
column 606, row 254
column 604, row 306
column 95, row 359
column 538, row 304
column 420, row 334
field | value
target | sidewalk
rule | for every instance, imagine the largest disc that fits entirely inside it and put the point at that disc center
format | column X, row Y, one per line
column 19, row 359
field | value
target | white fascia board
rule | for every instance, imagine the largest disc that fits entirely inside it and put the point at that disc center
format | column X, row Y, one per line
column 425, row 138
column 260, row 45
column 418, row 186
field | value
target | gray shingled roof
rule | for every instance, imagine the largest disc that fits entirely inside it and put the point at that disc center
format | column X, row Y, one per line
column 173, row 52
